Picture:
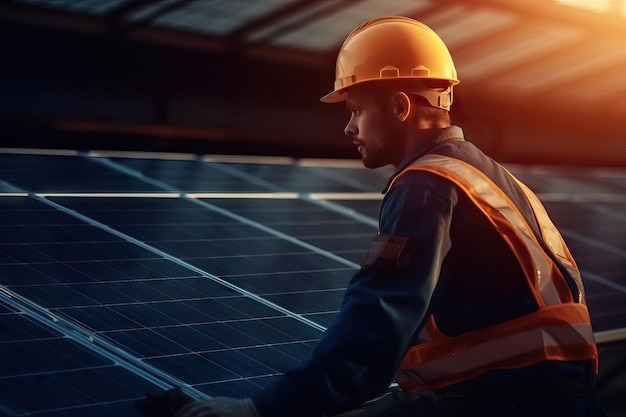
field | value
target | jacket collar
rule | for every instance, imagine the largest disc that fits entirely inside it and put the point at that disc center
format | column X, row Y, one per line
column 439, row 135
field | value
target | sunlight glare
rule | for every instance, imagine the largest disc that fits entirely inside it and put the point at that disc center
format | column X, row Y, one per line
column 598, row 6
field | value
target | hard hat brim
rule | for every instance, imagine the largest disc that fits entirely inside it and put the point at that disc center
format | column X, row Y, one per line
column 335, row 97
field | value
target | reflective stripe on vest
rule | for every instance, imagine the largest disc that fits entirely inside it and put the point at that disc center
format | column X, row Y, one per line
column 554, row 239
column 559, row 330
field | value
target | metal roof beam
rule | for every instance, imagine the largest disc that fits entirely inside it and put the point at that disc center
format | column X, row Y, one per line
column 47, row 17
column 274, row 18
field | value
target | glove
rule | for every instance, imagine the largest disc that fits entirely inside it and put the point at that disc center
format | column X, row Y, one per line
column 163, row 404
column 220, row 407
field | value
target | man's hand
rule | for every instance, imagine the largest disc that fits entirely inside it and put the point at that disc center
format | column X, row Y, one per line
column 219, row 407
column 164, row 403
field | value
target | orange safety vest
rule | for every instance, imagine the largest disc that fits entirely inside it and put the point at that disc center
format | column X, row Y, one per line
column 560, row 329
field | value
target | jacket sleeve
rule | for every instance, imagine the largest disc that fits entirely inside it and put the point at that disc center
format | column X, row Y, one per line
column 381, row 312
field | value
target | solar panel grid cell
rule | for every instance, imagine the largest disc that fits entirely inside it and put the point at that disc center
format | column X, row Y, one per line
column 43, row 371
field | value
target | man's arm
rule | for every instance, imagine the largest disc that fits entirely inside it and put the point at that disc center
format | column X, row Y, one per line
column 384, row 307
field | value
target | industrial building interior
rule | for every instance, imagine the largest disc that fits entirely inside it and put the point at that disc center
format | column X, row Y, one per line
column 179, row 208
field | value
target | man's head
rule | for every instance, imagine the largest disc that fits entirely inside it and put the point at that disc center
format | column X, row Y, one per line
column 387, row 120
column 396, row 76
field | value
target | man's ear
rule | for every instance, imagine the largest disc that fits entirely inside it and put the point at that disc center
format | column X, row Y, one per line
column 401, row 105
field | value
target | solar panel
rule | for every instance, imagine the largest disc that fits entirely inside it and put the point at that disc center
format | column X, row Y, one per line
column 215, row 275
column 199, row 175
column 65, row 172
column 44, row 372
column 152, row 306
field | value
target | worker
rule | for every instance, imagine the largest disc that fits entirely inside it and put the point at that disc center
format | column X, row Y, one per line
column 468, row 302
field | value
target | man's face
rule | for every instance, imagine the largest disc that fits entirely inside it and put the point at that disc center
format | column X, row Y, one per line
column 373, row 127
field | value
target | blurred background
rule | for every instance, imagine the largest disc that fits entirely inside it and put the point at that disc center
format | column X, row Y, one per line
column 542, row 81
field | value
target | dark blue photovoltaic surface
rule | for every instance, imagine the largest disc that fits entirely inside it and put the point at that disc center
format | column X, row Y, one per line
column 65, row 173
column 221, row 294
column 198, row 176
column 43, row 370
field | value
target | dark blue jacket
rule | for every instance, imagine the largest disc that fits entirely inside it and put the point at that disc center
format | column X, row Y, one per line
column 463, row 273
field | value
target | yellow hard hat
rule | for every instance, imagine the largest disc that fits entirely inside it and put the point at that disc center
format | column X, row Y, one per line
column 394, row 47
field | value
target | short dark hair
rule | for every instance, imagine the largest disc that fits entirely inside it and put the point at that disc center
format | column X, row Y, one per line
column 428, row 112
